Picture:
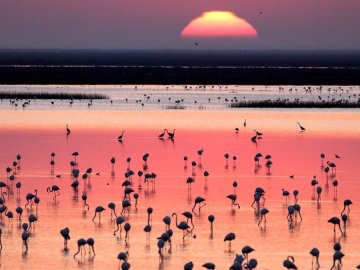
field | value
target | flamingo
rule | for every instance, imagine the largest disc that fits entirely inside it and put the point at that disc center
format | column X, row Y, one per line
column 65, row 233
column 19, row 211
column 98, row 209
column 162, row 134
column 171, row 135
column 25, row 239
column 289, row 263
column 344, row 218
column 226, row 156
column 32, row 219
column 332, row 165
column 149, row 211
column 315, row 254
column 167, row 221
column 189, row 266
column 125, row 266
column 347, row 204
column 182, row 226
column 286, row 194
column 112, row 207
column 29, row 197
column 209, row 266
column 125, row 206
column 123, row 256
column 296, row 193
column 251, row 265
column 302, row 129
column 233, row 198
column 188, row 216
column 18, row 187
column 84, row 198
column 291, row 211
column 119, row 220
column 121, row 136
column 81, row 245
column 161, row 245
column 199, row 201
column 297, row 208
column 127, row 228
column 230, row 237
column 211, row 219
column 246, row 250
column 335, row 221
column 54, row 189
column 263, row 213
column 91, row 242
column 318, row 191
column 338, row 255
column 68, row 131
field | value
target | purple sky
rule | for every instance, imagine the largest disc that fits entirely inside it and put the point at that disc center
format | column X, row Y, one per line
column 157, row 24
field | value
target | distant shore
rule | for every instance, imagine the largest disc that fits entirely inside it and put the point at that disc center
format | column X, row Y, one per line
column 180, row 67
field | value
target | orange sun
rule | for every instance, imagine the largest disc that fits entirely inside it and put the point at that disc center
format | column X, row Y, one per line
column 219, row 24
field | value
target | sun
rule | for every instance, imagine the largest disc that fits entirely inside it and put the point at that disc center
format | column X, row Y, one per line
column 219, row 24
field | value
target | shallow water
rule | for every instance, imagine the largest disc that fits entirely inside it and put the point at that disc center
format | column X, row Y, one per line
column 292, row 153
column 195, row 97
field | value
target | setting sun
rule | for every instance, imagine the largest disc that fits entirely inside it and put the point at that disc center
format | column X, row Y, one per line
column 219, row 24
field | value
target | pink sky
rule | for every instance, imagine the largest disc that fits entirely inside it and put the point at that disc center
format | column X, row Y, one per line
column 157, row 24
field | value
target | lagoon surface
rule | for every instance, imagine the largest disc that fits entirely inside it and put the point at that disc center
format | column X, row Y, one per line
column 39, row 129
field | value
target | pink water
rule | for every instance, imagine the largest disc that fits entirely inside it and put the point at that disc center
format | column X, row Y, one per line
column 292, row 153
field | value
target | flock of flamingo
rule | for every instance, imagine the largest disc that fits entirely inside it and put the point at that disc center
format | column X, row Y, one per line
column 130, row 198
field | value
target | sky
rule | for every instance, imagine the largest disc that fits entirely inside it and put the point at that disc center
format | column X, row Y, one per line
column 158, row 24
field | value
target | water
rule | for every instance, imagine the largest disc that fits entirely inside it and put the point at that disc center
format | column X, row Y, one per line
column 155, row 97
column 35, row 133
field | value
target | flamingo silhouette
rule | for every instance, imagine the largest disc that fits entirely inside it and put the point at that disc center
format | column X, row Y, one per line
column 54, row 189
column 200, row 201
column 289, row 263
column 91, row 242
column 230, row 237
column 121, row 136
column 112, row 207
column 127, row 228
column 182, row 226
column 347, row 204
column 188, row 216
column 263, row 213
column 209, row 266
column 68, row 131
column 25, row 239
column 81, row 245
column 119, row 220
column 29, row 198
column 65, row 233
column 315, row 254
column 302, row 129
column 189, row 266
column 336, row 221
column 162, row 134
column 171, row 135
column 338, row 255
column 167, row 221
column 233, row 198
column 84, row 198
column 98, row 209
column 246, row 250
column 211, row 219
